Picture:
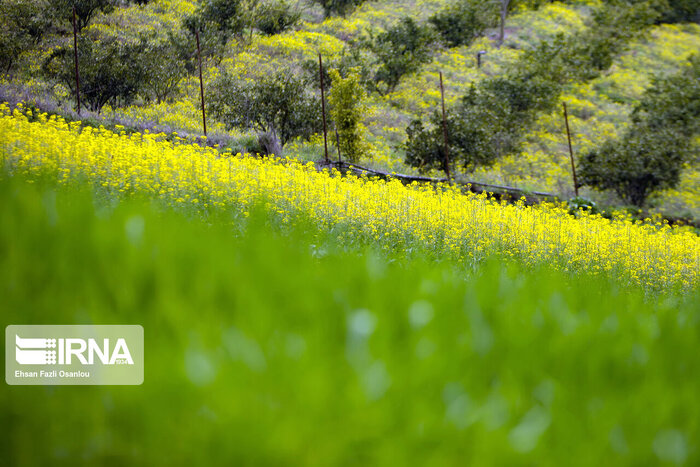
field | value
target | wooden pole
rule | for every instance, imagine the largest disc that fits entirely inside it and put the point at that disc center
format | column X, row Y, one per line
column 201, row 82
column 571, row 151
column 444, row 132
column 323, row 108
column 75, row 59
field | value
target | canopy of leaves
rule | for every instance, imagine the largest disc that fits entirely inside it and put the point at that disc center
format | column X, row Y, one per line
column 650, row 155
column 279, row 106
column 680, row 11
column 346, row 108
column 22, row 25
column 85, row 10
column 111, row 70
column 275, row 17
column 227, row 18
column 461, row 22
column 338, row 7
column 400, row 50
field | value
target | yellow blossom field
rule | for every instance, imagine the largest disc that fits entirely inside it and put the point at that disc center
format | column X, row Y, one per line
column 465, row 228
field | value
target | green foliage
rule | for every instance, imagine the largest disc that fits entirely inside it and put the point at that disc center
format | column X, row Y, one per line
column 400, row 50
column 338, row 7
column 347, row 110
column 163, row 66
column 650, row 155
column 273, row 342
column 673, row 102
column 493, row 116
column 225, row 18
column 276, row 16
column 85, row 10
column 278, row 105
column 681, row 11
column 22, row 25
column 635, row 166
column 353, row 59
column 111, row 71
column 461, row 22
column 484, row 127
column 614, row 25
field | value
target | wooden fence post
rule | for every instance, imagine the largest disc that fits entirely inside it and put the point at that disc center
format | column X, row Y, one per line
column 201, row 82
column 323, row 109
column 571, row 151
column 444, row 132
column 75, row 59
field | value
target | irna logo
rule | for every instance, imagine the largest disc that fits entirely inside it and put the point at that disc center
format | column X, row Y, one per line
column 74, row 354
column 41, row 351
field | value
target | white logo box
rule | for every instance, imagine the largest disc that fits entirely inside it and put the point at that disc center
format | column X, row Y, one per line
column 74, row 354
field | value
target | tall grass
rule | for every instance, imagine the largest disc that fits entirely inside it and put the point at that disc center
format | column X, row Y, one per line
column 263, row 348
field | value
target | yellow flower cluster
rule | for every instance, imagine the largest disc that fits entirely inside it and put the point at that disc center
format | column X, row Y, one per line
column 465, row 228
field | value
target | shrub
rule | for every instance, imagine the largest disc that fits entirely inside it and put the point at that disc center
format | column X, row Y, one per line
column 346, row 109
column 225, row 18
column 111, row 71
column 85, row 10
column 399, row 51
column 278, row 106
column 650, row 155
column 276, row 17
column 463, row 21
column 22, row 25
column 338, row 7
column 163, row 67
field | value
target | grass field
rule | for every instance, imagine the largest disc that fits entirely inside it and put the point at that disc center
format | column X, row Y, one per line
column 449, row 225
column 297, row 315
column 263, row 348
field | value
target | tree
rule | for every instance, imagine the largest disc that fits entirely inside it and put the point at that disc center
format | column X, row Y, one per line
column 649, row 156
column 110, row 70
column 673, row 101
column 278, row 106
column 636, row 166
column 463, row 21
column 483, row 128
column 494, row 115
column 85, row 10
column 22, row 25
column 338, row 7
column 681, row 11
column 275, row 17
column 400, row 50
column 163, row 66
column 226, row 18
column 346, row 109
column 614, row 25
column 504, row 8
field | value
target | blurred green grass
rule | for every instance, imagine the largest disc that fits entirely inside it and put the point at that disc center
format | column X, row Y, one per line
column 264, row 347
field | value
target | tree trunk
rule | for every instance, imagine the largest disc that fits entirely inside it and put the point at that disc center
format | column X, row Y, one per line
column 502, row 26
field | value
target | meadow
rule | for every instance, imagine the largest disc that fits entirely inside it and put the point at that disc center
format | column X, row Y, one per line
column 599, row 108
column 266, row 345
column 448, row 224
column 295, row 314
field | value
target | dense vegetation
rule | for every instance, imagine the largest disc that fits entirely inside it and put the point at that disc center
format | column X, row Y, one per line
column 442, row 221
column 502, row 117
column 263, row 339
column 297, row 314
